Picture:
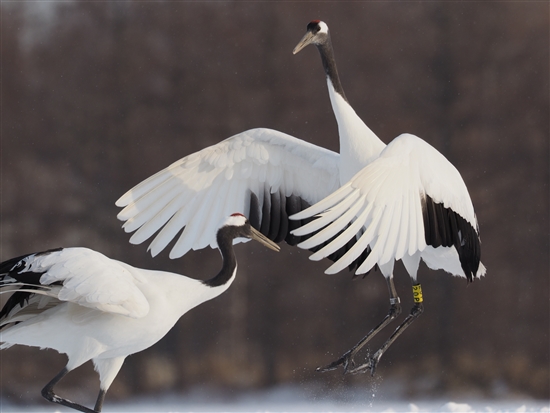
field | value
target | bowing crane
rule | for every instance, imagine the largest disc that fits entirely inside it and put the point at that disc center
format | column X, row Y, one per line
column 90, row 307
column 408, row 203
column 266, row 174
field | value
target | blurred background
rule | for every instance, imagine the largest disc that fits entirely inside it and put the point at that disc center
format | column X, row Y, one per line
column 97, row 96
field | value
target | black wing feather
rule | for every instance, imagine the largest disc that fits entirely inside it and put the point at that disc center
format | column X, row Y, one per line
column 13, row 271
column 443, row 227
column 274, row 223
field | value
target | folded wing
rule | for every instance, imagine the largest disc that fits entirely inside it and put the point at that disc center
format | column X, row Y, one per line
column 78, row 275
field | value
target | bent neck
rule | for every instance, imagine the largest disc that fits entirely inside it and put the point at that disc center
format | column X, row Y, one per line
column 229, row 266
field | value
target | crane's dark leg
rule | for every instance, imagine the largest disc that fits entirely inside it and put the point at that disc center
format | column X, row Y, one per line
column 48, row 394
column 347, row 358
column 417, row 309
column 100, row 398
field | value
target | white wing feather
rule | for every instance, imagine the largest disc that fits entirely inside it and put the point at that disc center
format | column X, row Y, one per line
column 92, row 280
column 389, row 206
column 198, row 191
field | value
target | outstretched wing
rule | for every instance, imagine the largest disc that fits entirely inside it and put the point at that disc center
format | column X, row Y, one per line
column 265, row 174
column 409, row 198
column 77, row 275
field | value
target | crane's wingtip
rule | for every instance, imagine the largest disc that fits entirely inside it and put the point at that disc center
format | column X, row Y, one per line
column 126, row 214
column 177, row 254
column 315, row 257
column 154, row 252
column 298, row 232
column 123, row 201
column 481, row 271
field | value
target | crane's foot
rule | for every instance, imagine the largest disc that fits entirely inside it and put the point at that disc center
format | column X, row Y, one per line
column 369, row 366
column 48, row 394
column 345, row 361
column 52, row 397
column 372, row 362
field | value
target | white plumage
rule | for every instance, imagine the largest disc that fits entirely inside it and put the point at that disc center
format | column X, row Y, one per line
column 408, row 203
column 90, row 307
column 196, row 190
column 387, row 198
column 264, row 173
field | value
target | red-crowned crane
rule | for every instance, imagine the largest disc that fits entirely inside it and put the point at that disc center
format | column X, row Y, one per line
column 409, row 203
column 90, row 307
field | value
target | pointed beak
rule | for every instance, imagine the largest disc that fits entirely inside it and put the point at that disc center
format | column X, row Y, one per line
column 262, row 239
column 307, row 39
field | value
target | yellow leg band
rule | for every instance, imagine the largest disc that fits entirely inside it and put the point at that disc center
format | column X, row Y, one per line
column 417, row 293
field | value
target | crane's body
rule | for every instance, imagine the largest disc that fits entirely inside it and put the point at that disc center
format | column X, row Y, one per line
column 90, row 307
column 158, row 306
column 405, row 202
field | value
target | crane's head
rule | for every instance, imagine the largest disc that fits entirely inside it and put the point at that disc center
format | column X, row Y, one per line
column 317, row 34
column 237, row 226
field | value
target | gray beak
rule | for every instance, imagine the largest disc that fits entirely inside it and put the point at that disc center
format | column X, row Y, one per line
column 307, row 39
column 262, row 239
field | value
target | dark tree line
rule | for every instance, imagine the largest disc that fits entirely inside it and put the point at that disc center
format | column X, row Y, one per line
column 98, row 96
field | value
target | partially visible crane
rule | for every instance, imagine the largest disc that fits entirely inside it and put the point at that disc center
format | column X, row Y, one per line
column 90, row 307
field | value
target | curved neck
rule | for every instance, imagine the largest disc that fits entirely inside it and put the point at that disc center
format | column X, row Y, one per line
column 329, row 64
column 229, row 266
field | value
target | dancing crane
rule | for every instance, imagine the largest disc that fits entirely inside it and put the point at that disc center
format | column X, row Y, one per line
column 90, row 307
column 409, row 203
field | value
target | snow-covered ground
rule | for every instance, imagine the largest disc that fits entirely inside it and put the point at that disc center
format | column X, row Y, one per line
column 286, row 399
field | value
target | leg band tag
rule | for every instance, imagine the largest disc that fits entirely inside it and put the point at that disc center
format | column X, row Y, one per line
column 417, row 293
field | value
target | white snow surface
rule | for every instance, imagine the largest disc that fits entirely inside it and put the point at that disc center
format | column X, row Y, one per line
column 288, row 399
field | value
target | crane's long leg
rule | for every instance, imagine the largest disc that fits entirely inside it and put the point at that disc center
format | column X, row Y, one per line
column 48, row 394
column 417, row 309
column 107, row 369
column 347, row 358
column 100, row 399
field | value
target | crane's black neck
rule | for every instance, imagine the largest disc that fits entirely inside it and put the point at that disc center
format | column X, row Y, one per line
column 329, row 64
column 225, row 238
